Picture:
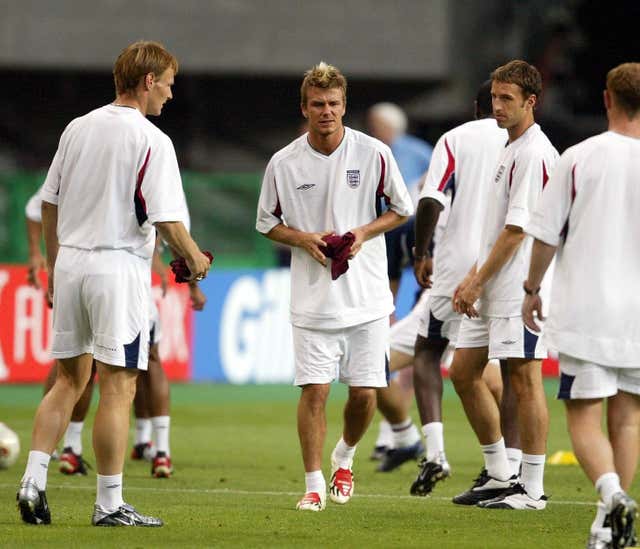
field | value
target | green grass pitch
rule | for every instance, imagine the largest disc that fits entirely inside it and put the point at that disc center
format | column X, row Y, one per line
column 239, row 474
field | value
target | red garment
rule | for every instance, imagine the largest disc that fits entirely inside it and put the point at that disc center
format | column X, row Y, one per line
column 338, row 248
column 180, row 269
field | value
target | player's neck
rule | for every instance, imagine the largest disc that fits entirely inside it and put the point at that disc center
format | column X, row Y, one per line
column 326, row 144
column 518, row 131
column 131, row 100
column 622, row 125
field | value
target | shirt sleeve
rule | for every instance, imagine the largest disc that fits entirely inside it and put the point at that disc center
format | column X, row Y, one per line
column 441, row 174
column 50, row 190
column 33, row 209
column 549, row 219
column 269, row 209
column 159, row 185
column 526, row 179
column 391, row 185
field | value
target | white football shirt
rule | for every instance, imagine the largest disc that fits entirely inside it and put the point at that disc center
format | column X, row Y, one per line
column 461, row 169
column 589, row 209
column 114, row 175
column 313, row 192
column 521, row 174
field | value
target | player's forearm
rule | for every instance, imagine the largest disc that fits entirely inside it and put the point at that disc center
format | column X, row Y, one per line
column 541, row 257
column 427, row 216
column 285, row 235
column 506, row 245
column 34, row 236
column 178, row 238
column 388, row 221
column 49, row 230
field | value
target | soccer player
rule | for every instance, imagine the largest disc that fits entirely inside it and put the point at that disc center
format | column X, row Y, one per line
column 459, row 179
column 114, row 161
column 494, row 328
column 329, row 182
column 589, row 209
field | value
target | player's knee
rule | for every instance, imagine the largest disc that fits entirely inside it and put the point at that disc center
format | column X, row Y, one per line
column 362, row 396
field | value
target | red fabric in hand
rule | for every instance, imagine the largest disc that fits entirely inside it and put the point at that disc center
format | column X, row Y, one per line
column 180, row 269
column 337, row 249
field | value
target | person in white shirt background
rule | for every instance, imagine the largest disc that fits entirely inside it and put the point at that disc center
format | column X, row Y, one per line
column 588, row 218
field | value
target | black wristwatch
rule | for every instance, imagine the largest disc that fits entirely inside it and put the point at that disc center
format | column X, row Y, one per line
column 528, row 291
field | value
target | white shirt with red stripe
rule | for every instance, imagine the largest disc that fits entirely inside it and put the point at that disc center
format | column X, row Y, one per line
column 313, row 192
column 589, row 209
column 461, row 170
column 521, row 174
column 114, row 175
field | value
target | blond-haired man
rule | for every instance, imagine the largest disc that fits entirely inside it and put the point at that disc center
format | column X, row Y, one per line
column 329, row 181
column 591, row 203
column 113, row 161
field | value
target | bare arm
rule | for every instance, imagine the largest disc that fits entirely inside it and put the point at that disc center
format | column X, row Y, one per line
column 426, row 220
column 176, row 235
column 36, row 259
column 387, row 221
column 310, row 242
column 49, row 229
column 541, row 257
column 506, row 245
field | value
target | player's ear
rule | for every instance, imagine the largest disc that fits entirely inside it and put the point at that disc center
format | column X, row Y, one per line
column 303, row 108
column 149, row 79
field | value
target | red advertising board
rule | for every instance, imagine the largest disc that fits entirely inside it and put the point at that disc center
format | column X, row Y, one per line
column 25, row 328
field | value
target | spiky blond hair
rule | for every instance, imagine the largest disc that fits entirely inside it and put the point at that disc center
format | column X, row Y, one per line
column 325, row 76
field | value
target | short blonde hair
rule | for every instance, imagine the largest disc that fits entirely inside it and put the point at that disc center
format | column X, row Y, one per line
column 325, row 76
column 140, row 58
column 623, row 82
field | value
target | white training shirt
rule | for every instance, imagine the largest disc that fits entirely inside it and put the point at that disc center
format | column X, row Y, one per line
column 313, row 192
column 114, row 175
column 589, row 209
column 462, row 165
column 521, row 174
column 33, row 209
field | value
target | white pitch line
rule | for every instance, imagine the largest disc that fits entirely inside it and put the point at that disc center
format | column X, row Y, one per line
column 235, row 492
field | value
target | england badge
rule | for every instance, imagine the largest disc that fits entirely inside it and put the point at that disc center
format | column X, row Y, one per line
column 353, row 178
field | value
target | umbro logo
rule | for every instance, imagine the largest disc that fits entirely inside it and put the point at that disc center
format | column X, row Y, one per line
column 508, row 342
column 305, row 187
column 113, row 486
column 501, row 170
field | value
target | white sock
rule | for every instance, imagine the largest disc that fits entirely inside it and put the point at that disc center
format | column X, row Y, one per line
column 109, row 491
column 143, row 430
column 37, row 468
column 433, row 433
column 385, row 434
column 73, row 437
column 533, row 474
column 514, row 455
column 343, row 454
column 161, row 433
column 607, row 485
column 495, row 460
column 405, row 434
column 597, row 526
column 314, row 482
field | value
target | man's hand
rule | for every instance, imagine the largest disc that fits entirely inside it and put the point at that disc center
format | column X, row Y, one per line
column 532, row 304
column 198, row 299
column 36, row 264
column 312, row 243
column 198, row 265
column 423, row 269
column 360, row 236
column 456, row 300
column 467, row 297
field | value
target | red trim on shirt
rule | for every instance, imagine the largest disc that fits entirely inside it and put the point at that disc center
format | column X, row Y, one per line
column 380, row 189
column 278, row 210
column 545, row 175
column 573, row 183
column 451, row 167
column 513, row 167
column 140, row 203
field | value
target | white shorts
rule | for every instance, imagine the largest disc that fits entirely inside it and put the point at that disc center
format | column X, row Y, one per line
column 505, row 338
column 405, row 330
column 582, row 379
column 155, row 328
column 439, row 320
column 357, row 355
column 101, row 306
